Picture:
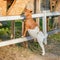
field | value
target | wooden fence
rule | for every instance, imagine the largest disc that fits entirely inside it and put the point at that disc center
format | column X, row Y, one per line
column 19, row 40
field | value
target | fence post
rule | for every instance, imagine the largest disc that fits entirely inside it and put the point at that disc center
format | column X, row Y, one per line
column 38, row 10
column 45, row 25
column 12, row 29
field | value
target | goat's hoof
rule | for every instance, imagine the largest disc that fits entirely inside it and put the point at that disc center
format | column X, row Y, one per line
column 45, row 43
column 43, row 54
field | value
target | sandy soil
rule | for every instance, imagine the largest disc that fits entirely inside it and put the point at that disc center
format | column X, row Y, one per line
column 14, row 52
column 20, row 53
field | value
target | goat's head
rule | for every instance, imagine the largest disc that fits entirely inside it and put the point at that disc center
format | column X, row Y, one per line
column 28, row 13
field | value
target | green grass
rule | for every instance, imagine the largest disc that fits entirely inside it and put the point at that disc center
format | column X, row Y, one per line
column 55, row 37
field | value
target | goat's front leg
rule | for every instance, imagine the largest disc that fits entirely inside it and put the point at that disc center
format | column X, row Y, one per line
column 24, row 34
column 42, row 47
column 25, row 44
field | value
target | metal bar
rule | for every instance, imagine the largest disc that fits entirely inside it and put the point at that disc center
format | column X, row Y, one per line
column 13, row 41
column 9, row 18
column 53, row 31
column 52, row 13
column 45, row 26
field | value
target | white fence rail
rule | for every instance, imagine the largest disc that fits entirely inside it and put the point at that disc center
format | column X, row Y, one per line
column 7, row 18
column 10, row 18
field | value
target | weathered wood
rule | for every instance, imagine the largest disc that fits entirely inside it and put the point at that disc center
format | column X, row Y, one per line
column 17, row 7
column 22, row 27
column 48, row 28
column 3, row 7
column 12, row 29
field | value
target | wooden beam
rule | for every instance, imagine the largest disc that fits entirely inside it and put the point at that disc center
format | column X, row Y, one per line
column 12, row 29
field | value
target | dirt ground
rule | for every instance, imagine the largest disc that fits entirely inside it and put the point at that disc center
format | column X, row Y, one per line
column 14, row 52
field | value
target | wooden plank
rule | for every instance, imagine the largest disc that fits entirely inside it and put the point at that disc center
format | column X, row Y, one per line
column 12, row 29
column 3, row 7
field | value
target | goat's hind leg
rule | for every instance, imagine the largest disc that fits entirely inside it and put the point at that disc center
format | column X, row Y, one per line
column 41, row 45
column 41, row 38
